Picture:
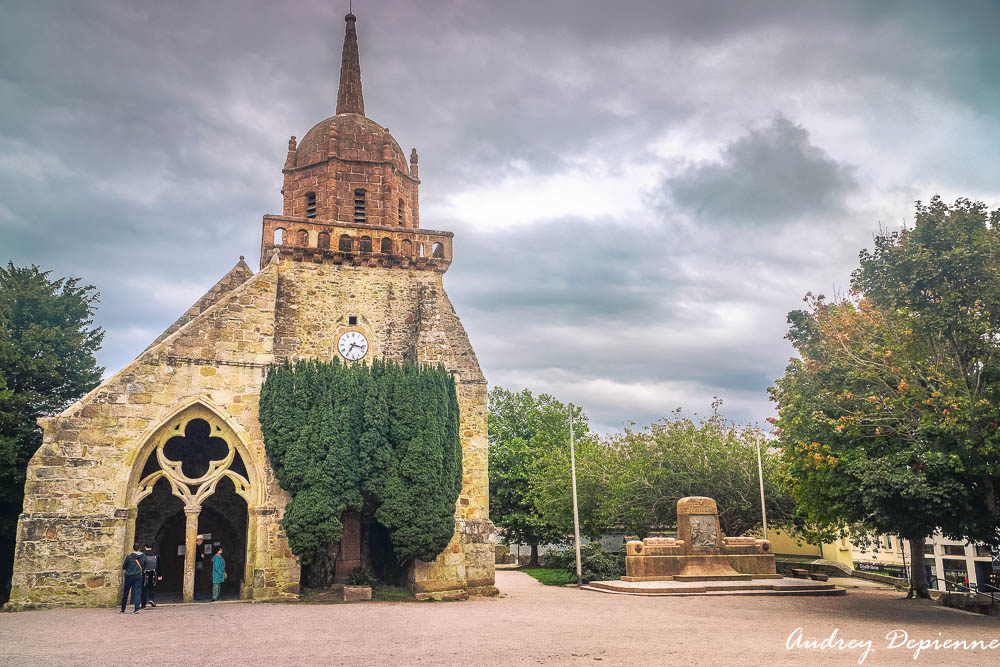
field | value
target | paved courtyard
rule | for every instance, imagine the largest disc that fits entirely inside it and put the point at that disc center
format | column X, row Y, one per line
column 530, row 624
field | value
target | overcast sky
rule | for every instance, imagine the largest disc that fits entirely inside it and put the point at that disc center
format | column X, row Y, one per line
column 640, row 190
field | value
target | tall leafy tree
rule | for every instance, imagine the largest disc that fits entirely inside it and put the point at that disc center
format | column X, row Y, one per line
column 889, row 417
column 523, row 428
column 632, row 481
column 48, row 344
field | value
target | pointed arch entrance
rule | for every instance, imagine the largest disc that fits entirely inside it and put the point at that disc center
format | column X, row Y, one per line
column 194, row 476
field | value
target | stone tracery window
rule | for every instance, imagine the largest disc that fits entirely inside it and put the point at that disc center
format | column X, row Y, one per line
column 345, row 244
column 193, row 459
column 279, row 236
column 366, row 244
column 303, row 239
column 386, row 245
column 323, row 240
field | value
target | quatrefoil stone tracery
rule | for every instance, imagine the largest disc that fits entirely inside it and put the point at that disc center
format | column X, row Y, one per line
column 193, row 491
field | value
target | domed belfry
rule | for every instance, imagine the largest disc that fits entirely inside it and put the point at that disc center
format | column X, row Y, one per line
column 169, row 449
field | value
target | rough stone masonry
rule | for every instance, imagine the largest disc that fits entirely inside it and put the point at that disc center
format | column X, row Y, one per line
column 347, row 254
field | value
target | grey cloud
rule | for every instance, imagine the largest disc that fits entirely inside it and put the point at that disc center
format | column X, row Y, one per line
column 773, row 174
column 140, row 143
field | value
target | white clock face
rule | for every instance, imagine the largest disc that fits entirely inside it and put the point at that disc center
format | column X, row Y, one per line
column 353, row 345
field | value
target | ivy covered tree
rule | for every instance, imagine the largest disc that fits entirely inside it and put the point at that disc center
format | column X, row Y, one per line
column 380, row 439
column 889, row 417
column 523, row 428
column 48, row 344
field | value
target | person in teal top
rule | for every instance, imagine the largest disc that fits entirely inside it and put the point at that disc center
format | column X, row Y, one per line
column 218, row 573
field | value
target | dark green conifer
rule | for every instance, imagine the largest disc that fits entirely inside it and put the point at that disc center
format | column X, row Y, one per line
column 342, row 438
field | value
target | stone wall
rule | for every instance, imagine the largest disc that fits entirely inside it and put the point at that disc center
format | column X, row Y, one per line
column 78, row 519
column 406, row 315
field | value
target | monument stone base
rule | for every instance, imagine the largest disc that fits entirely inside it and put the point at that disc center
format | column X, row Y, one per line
column 700, row 561
column 699, row 553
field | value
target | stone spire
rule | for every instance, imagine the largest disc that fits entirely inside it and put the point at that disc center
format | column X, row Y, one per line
column 349, row 97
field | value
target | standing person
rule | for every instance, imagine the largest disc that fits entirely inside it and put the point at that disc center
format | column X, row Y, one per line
column 218, row 573
column 150, row 575
column 199, row 563
column 133, row 567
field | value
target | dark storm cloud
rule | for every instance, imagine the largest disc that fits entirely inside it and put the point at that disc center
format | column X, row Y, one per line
column 140, row 143
column 771, row 175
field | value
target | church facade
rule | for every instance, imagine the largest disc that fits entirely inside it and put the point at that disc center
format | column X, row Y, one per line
column 169, row 449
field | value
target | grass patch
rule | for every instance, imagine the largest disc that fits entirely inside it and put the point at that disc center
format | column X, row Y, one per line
column 393, row 594
column 549, row 576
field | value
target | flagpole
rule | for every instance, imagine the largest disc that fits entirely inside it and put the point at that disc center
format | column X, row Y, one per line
column 760, row 477
column 576, row 513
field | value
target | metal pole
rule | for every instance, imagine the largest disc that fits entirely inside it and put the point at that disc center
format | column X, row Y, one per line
column 576, row 513
column 760, row 477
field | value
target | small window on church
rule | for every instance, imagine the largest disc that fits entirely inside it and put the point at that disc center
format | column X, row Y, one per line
column 406, row 247
column 359, row 206
column 303, row 239
column 421, row 245
column 366, row 244
column 399, row 214
column 310, row 204
column 352, row 320
column 345, row 243
column 279, row 236
column 386, row 245
column 437, row 250
column 323, row 241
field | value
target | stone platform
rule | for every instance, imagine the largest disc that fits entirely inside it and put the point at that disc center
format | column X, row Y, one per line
column 779, row 586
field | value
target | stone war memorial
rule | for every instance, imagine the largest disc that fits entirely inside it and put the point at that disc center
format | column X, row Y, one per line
column 703, row 560
column 170, row 447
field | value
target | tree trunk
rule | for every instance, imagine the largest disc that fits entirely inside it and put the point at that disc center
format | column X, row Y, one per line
column 321, row 570
column 533, row 562
column 918, row 573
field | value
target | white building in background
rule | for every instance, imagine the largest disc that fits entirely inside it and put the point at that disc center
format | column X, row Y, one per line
column 954, row 560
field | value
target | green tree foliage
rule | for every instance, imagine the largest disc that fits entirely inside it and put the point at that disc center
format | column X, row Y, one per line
column 380, row 439
column 47, row 348
column 595, row 563
column 632, row 481
column 523, row 429
column 889, row 418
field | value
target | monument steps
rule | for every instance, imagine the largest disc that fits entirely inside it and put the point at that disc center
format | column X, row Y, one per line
column 665, row 588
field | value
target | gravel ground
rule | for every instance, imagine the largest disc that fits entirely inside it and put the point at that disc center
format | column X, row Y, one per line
column 528, row 624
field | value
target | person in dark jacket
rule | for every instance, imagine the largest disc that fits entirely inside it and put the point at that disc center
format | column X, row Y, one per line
column 199, row 563
column 150, row 576
column 133, row 566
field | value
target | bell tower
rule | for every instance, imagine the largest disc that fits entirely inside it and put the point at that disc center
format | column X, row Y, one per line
column 355, row 266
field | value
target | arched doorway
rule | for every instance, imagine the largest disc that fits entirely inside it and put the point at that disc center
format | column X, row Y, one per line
column 194, row 482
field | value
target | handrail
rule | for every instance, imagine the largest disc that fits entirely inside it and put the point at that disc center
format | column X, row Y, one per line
column 972, row 589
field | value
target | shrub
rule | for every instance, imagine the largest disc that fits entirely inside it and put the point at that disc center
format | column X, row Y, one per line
column 596, row 564
column 359, row 577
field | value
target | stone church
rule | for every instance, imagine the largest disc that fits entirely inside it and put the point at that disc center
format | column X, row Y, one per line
column 170, row 448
